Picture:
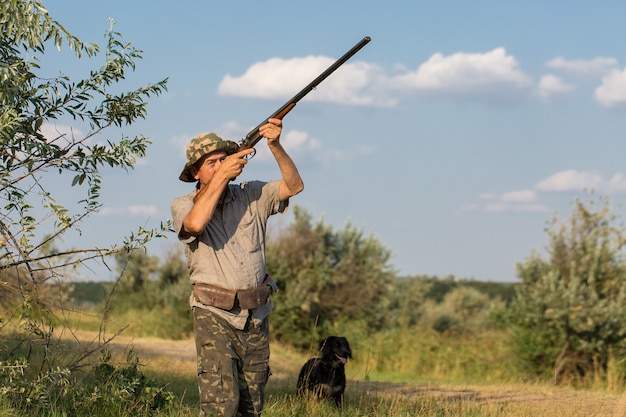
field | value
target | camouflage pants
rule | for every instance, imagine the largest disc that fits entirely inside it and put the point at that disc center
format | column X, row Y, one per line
column 233, row 366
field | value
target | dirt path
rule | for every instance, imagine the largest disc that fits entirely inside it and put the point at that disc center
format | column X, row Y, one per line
column 517, row 400
column 520, row 400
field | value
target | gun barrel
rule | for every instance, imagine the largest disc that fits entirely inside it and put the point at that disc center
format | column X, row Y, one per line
column 356, row 48
column 253, row 137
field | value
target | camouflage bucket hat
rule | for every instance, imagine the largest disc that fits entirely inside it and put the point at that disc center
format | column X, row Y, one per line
column 201, row 145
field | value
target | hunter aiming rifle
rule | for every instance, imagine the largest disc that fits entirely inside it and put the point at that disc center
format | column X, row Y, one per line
column 253, row 137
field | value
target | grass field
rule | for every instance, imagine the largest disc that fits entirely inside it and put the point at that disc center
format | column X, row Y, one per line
column 173, row 362
column 410, row 372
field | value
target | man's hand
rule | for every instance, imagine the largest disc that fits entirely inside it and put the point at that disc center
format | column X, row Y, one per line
column 272, row 130
column 232, row 166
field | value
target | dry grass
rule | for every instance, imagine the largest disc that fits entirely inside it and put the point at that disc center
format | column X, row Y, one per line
column 173, row 362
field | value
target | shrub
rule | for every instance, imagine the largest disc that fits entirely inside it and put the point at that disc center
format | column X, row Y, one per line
column 569, row 315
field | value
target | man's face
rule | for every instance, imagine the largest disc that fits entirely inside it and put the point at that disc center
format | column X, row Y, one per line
column 208, row 165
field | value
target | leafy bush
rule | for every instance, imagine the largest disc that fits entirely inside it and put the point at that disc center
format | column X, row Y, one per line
column 569, row 315
column 463, row 310
column 326, row 276
column 106, row 390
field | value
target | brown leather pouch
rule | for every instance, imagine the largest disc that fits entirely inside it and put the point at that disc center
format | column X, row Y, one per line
column 215, row 296
column 254, row 297
column 259, row 296
column 226, row 299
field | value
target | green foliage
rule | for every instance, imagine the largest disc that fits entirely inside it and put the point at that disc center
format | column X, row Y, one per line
column 440, row 287
column 124, row 389
column 159, row 305
column 326, row 276
column 89, row 296
column 33, row 259
column 463, row 310
column 27, row 394
column 154, row 295
column 173, row 270
column 406, row 299
column 135, row 268
column 570, row 311
column 156, row 311
column 421, row 354
column 29, row 161
column 109, row 391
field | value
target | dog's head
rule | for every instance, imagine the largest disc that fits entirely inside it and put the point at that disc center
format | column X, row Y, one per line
column 336, row 350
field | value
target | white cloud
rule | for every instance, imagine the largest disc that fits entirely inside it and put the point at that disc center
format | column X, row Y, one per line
column 65, row 133
column 570, row 180
column 522, row 201
column 488, row 196
column 301, row 145
column 295, row 142
column 523, row 196
column 528, row 200
column 489, row 76
column 612, row 92
column 499, row 207
column 596, row 66
column 550, row 85
column 475, row 73
column 133, row 210
column 617, row 183
column 354, row 83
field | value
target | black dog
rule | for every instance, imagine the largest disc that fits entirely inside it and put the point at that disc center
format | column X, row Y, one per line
column 325, row 376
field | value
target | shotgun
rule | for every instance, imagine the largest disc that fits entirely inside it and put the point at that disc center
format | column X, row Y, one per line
column 253, row 137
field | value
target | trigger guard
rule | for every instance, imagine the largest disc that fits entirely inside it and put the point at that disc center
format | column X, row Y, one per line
column 250, row 155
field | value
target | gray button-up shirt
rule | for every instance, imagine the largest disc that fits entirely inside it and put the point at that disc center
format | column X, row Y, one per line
column 230, row 252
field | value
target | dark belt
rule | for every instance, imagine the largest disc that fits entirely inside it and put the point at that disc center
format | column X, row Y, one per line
column 227, row 299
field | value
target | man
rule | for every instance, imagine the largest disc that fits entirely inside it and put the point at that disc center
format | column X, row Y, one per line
column 223, row 228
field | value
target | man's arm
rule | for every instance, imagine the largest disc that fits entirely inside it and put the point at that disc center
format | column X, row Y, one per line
column 203, row 207
column 209, row 194
column 291, row 183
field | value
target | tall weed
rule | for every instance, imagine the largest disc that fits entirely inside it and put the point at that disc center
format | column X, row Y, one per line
column 422, row 354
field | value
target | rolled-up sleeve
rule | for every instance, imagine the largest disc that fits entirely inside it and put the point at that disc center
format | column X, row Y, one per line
column 179, row 208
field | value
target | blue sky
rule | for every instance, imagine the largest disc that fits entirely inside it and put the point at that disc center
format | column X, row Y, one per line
column 453, row 137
